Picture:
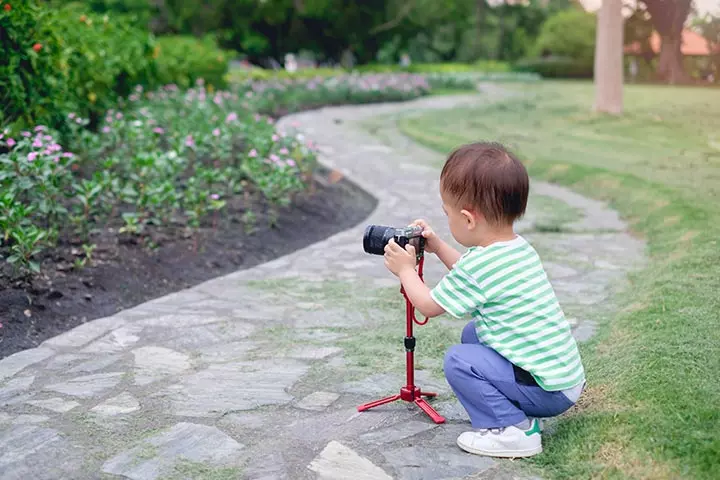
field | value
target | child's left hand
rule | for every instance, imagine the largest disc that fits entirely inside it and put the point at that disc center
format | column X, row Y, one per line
column 397, row 260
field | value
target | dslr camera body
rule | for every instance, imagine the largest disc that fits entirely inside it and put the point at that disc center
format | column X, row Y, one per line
column 377, row 236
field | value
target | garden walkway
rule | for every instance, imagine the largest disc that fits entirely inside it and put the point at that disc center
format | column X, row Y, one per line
column 257, row 374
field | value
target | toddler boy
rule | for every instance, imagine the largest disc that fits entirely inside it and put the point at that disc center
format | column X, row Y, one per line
column 517, row 360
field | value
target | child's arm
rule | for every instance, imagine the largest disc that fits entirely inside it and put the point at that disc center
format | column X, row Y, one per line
column 402, row 263
column 447, row 254
column 419, row 294
column 433, row 244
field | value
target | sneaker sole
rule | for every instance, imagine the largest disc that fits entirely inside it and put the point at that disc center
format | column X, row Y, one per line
column 503, row 453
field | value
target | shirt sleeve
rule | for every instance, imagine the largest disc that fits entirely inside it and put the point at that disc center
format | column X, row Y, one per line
column 458, row 293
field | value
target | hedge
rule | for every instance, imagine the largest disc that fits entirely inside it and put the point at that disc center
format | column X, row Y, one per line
column 555, row 67
column 58, row 60
column 183, row 60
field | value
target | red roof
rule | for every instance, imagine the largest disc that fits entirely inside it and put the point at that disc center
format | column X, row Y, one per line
column 692, row 44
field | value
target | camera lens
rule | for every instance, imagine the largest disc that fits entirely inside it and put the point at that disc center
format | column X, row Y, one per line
column 376, row 237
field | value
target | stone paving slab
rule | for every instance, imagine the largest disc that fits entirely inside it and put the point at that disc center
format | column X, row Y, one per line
column 258, row 374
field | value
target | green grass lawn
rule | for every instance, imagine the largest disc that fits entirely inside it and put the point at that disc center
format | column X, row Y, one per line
column 652, row 409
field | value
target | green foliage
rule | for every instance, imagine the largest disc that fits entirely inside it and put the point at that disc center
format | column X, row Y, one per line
column 555, row 67
column 569, row 33
column 61, row 59
column 709, row 28
column 184, row 60
column 480, row 66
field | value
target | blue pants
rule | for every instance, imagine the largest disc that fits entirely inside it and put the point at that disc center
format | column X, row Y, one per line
column 484, row 381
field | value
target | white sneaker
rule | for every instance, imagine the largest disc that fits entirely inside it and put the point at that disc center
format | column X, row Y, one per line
column 510, row 442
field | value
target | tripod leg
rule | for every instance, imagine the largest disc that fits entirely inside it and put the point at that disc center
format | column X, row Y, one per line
column 425, row 407
column 377, row 403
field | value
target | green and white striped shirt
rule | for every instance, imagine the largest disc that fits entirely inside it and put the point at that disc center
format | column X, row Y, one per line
column 505, row 290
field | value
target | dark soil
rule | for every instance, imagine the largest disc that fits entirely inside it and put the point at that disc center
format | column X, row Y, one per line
column 125, row 272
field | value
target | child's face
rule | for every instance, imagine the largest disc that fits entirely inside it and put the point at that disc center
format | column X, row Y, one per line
column 463, row 223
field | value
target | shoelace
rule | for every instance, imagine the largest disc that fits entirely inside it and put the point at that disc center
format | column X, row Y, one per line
column 494, row 431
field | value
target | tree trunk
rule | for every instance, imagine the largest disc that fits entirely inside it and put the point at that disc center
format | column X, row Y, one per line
column 668, row 18
column 609, row 58
column 670, row 63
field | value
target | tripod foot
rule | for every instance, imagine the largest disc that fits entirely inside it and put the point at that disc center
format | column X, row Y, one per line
column 377, row 403
column 430, row 411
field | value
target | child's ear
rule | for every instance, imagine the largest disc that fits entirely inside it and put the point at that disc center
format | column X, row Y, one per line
column 471, row 218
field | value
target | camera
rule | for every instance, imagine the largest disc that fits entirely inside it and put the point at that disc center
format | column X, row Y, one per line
column 377, row 236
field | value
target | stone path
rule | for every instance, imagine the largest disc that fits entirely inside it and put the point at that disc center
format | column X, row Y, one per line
column 257, row 375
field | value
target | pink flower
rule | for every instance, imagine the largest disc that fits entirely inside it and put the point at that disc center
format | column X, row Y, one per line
column 257, row 117
column 37, row 143
column 71, row 116
column 106, row 129
column 284, row 151
column 118, row 115
column 275, row 158
column 253, row 153
column 47, row 152
column 215, row 196
column 291, row 163
column 216, row 132
column 158, row 130
column 108, row 119
column 40, row 128
column 275, row 138
column 231, row 117
column 189, row 142
column 270, row 121
column 217, row 100
column 10, row 142
column 47, row 138
column 55, row 147
column 26, row 134
column 68, row 155
column 32, row 156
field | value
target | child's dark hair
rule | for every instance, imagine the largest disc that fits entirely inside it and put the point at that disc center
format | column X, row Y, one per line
column 487, row 177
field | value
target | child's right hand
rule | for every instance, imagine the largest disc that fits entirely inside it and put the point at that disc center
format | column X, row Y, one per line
column 432, row 241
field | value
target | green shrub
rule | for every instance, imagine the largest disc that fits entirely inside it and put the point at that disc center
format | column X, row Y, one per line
column 481, row 66
column 60, row 60
column 555, row 67
column 183, row 60
column 569, row 33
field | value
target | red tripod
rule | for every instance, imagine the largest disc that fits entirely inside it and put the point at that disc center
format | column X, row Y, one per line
column 410, row 392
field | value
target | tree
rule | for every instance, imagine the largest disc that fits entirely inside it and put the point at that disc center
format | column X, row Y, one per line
column 668, row 18
column 609, row 58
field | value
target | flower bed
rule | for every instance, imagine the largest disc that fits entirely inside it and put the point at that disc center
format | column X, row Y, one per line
column 170, row 159
column 281, row 96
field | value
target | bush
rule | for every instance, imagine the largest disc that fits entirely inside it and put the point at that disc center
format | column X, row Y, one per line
column 555, row 67
column 58, row 60
column 183, row 60
column 569, row 33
